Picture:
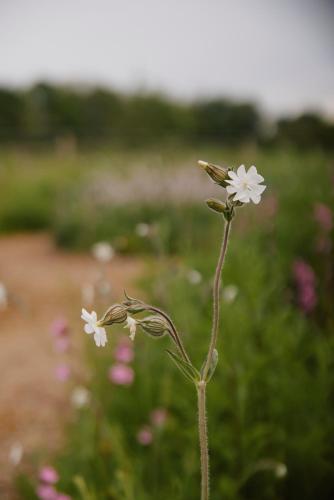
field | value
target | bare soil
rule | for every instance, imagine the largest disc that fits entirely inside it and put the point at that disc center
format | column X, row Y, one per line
column 43, row 283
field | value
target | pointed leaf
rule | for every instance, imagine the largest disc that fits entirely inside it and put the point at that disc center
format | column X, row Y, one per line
column 186, row 368
column 213, row 365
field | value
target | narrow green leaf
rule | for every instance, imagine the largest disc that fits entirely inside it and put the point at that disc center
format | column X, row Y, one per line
column 213, row 365
column 188, row 370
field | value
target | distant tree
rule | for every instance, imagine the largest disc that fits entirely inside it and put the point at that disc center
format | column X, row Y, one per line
column 306, row 131
column 225, row 122
column 11, row 104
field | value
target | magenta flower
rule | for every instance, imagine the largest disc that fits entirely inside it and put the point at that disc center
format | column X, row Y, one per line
column 63, row 372
column 305, row 284
column 124, row 352
column 47, row 492
column 158, row 417
column 324, row 217
column 121, row 374
column 59, row 327
column 303, row 272
column 48, row 474
column 63, row 496
column 145, row 436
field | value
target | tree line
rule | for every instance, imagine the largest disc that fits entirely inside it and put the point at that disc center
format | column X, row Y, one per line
column 46, row 112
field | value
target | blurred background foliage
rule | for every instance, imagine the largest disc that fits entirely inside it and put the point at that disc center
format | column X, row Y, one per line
column 48, row 112
column 271, row 401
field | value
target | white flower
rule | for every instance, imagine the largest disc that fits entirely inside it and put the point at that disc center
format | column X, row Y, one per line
column 245, row 185
column 143, row 229
column 80, row 397
column 103, row 252
column 131, row 323
column 230, row 293
column 194, row 277
column 92, row 326
column 15, row 453
column 3, row 296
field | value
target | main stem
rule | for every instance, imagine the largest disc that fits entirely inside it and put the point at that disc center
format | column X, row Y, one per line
column 201, row 386
column 216, row 299
column 203, row 439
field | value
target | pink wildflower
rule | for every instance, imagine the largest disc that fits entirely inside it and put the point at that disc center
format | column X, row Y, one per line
column 48, row 475
column 63, row 372
column 323, row 215
column 158, row 417
column 63, row 496
column 145, row 436
column 59, row 327
column 305, row 283
column 121, row 374
column 124, row 351
column 47, row 492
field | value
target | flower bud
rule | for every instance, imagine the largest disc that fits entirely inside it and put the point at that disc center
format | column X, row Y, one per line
column 217, row 174
column 156, row 326
column 132, row 305
column 216, row 205
column 117, row 313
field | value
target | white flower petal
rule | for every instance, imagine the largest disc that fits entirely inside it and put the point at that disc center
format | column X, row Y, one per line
column 241, row 172
column 256, row 198
column 88, row 328
column 85, row 315
column 258, row 189
column 232, row 175
column 231, row 189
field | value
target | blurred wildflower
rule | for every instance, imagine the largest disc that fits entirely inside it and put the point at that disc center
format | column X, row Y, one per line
column 230, row 293
column 80, row 396
column 143, row 229
column 158, row 417
column 59, row 327
column 121, row 374
column 3, row 296
column 92, row 326
column 15, row 453
column 124, row 352
column 48, row 475
column 194, row 277
column 63, row 372
column 323, row 216
column 131, row 323
column 305, row 282
column 63, row 496
column 145, row 436
column 281, row 470
column 47, row 492
column 245, row 185
column 103, row 252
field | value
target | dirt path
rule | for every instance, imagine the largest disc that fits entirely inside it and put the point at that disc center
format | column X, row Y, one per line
column 43, row 283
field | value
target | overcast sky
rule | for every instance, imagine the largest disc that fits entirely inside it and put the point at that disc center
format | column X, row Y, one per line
column 276, row 52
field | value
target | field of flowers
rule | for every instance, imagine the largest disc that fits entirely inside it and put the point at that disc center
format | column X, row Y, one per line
column 133, row 433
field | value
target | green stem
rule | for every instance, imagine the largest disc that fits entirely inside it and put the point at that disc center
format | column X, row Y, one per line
column 216, row 299
column 203, row 439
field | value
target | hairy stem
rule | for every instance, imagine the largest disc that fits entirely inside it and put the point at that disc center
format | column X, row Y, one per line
column 175, row 335
column 216, row 299
column 203, row 439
